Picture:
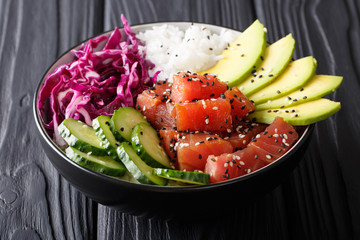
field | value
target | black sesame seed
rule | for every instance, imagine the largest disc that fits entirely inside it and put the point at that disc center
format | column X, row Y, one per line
column 278, row 91
column 270, row 136
column 301, row 89
column 256, row 156
column 122, row 129
column 252, row 80
column 305, row 97
column 141, row 133
column 200, row 156
column 222, row 95
column 231, row 101
column 271, row 75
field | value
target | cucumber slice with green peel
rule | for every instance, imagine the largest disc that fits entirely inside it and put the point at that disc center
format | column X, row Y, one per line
column 137, row 167
column 81, row 136
column 123, row 121
column 317, row 87
column 296, row 75
column 276, row 59
column 146, row 143
column 299, row 115
column 102, row 129
column 102, row 164
column 183, row 176
column 241, row 55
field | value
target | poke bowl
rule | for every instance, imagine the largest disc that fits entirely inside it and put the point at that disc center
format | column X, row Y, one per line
column 169, row 201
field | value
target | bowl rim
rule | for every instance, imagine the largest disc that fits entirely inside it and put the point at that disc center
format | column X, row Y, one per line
column 181, row 189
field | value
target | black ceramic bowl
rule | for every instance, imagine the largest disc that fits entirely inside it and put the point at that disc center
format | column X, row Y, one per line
column 160, row 201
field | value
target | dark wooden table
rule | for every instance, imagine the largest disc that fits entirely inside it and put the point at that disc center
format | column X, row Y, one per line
column 319, row 200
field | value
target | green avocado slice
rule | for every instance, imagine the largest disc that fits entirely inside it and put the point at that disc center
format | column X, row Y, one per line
column 296, row 75
column 299, row 115
column 277, row 57
column 241, row 56
column 317, row 87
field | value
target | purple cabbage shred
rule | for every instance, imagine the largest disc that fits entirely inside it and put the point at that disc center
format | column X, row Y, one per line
column 97, row 82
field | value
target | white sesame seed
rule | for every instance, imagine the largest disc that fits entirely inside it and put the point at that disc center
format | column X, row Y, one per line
column 207, row 121
column 241, row 163
column 248, row 170
column 144, row 108
column 226, row 164
column 268, row 156
column 241, row 136
column 231, row 164
column 275, row 135
column 228, row 130
column 215, row 108
column 257, row 136
column 197, row 143
column 244, row 141
column 285, row 136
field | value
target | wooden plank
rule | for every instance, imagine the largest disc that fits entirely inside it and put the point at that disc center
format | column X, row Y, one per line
column 35, row 202
column 318, row 181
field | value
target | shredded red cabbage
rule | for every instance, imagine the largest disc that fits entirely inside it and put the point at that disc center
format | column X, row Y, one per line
column 96, row 82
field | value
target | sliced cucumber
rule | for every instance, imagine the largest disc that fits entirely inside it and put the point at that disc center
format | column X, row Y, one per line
column 146, row 143
column 81, row 136
column 102, row 164
column 123, row 121
column 137, row 167
column 183, row 176
column 102, row 129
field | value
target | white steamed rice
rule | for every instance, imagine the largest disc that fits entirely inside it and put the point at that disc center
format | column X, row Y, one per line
column 172, row 49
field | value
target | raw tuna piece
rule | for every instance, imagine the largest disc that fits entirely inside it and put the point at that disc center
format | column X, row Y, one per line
column 155, row 104
column 169, row 138
column 277, row 139
column 241, row 106
column 187, row 87
column 194, row 149
column 265, row 148
column 204, row 115
column 228, row 166
column 243, row 134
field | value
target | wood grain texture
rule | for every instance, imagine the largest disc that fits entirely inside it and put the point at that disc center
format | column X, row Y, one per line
column 319, row 200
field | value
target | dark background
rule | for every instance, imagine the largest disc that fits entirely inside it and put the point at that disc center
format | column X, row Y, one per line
column 319, row 200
